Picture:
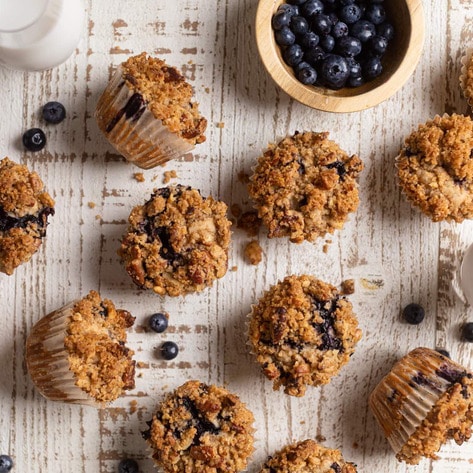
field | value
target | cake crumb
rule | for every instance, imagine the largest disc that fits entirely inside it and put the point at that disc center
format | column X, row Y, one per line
column 207, row 90
column 355, row 445
column 348, row 286
column 168, row 175
column 98, row 217
column 320, row 438
column 235, row 209
column 133, row 406
column 243, row 177
column 139, row 176
column 325, row 248
column 142, row 364
column 220, row 125
column 91, row 205
column 253, row 252
column 234, row 268
column 249, row 222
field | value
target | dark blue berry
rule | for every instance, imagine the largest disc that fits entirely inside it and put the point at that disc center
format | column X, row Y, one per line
column 385, row 29
column 307, row 75
column 350, row 14
column 375, row 13
column 327, row 43
column 6, row 463
column 169, row 350
column 355, row 81
column 321, row 24
column 299, row 25
column 413, row 313
column 349, row 46
column 354, row 67
column 443, row 352
column 34, row 139
column 339, row 29
column 291, row 10
column 128, row 466
column 334, row 71
column 312, row 7
column 362, row 30
column 158, row 322
column 293, row 55
column 301, row 65
column 332, row 16
column 284, row 36
column 309, row 40
column 467, row 332
column 54, row 112
column 377, row 45
column 372, row 67
column 280, row 19
column 314, row 56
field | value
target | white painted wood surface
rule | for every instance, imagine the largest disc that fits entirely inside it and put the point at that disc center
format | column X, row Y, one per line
column 386, row 242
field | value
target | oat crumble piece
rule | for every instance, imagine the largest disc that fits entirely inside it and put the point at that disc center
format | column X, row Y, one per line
column 249, row 222
column 139, row 177
column 168, row 175
column 348, row 286
column 253, row 252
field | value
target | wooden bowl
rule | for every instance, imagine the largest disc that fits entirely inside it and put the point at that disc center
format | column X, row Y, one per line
column 399, row 61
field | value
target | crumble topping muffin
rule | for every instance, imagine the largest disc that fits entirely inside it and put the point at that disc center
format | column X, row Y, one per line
column 24, row 210
column 302, row 332
column 435, row 168
column 307, row 456
column 77, row 354
column 147, row 112
column 425, row 400
column 177, row 242
column 201, row 428
column 305, row 187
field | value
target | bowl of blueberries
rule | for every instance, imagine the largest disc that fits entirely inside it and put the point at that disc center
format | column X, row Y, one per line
column 340, row 55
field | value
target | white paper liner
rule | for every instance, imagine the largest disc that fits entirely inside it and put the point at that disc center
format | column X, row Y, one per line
column 399, row 404
column 47, row 360
column 466, row 61
column 145, row 141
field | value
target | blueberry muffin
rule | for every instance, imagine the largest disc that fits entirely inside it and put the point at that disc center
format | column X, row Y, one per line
column 435, row 168
column 77, row 354
column 424, row 401
column 202, row 429
column 305, row 186
column 302, row 331
column 177, row 242
column 148, row 114
column 24, row 210
column 307, row 457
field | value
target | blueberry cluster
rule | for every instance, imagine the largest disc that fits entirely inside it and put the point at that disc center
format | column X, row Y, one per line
column 158, row 322
column 333, row 43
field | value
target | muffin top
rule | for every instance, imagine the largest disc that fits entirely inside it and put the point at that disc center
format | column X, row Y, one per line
column 435, row 168
column 167, row 94
column 302, row 332
column 24, row 210
column 95, row 342
column 203, row 429
column 307, row 456
column 177, row 242
column 305, row 187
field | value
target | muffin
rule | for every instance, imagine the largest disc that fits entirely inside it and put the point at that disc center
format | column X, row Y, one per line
column 148, row 114
column 24, row 210
column 177, row 242
column 302, row 331
column 435, row 168
column 466, row 76
column 200, row 428
column 305, row 186
column 307, row 456
column 425, row 400
column 77, row 354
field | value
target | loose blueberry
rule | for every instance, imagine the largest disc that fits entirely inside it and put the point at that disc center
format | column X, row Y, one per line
column 307, row 75
column 443, row 352
column 158, row 322
column 349, row 46
column 377, row 45
column 312, row 7
column 169, row 350
column 284, row 36
column 363, row 30
column 413, row 313
column 339, row 29
column 334, row 71
column 54, row 112
column 385, row 29
column 299, row 25
column 309, row 40
column 314, row 56
column 6, row 463
column 350, row 14
column 375, row 13
column 280, row 19
column 34, row 139
column 321, row 24
column 327, row 43
column 293, row 54
column 467, row 332
column 128, row 466
column 372, row 68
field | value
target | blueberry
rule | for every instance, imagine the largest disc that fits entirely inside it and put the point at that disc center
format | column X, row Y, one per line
column 349, row 46
column 413, row 313
column 334, row 71
column 385, row 29
column 299, row 25
column 375, row 13
column 467, row 332
column 301, row 65
column 34, row 139
column 6, row 463
column 309, row 40
column 312, row 7
column 377, row 45
column 363, row 30
column 280, row 19
column 291, row 10
column 354, row 67
column 158, row 322
column 350, row 14
column 128, row 466
column 293, row 55
column 443, row 352
column 54, row 112
column 327, row 43
column 169, row 350
column 355, row 81
column 339, row 29
column 321, row 24
column 372, row 68
column 332, row 16
column 284, row 36
column 307, row 75
column 314, row 55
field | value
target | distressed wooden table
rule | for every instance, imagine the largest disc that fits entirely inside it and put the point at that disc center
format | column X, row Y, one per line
column 395, row 254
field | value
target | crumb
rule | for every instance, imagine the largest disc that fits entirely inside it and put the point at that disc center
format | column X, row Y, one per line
column 235, row 210
column 234, row 268
column 302, row 422
column 207, row 90
column 249, row 222
column 325, row 248
column 98, row 217
column 355, row 445
column 133, row 406
column 168, row 175
column 154, row 178
column 253, row 252
column 220, row 125
column 141, row 364
column 139, row 176
column 320, row 438
column 348, row 286
column 140, row 375
column 243, row 177
column 91, row 205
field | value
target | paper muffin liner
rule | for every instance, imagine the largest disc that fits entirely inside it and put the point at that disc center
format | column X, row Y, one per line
column 467, row 63
column 47, row 359
column 141, row 138
column 404, row 397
